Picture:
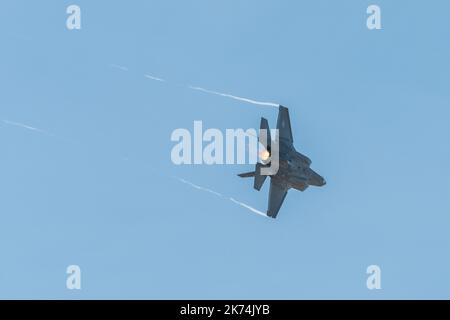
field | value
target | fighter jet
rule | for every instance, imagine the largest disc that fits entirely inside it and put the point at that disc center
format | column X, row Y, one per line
column 293, row 167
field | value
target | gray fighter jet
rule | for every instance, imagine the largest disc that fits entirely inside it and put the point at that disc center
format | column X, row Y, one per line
column 293, row 167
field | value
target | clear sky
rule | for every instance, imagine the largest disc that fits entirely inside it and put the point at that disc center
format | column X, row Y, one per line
column 92, row 184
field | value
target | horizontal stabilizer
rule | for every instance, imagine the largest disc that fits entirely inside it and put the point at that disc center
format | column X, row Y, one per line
column 247, row 174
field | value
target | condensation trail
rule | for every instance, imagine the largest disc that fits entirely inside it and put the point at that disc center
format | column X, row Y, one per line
column 21, row 125
column 154, row 78
column 246, row 206
column 226, row 95
column 40, row 131
column 193, row 185
column 217, row 93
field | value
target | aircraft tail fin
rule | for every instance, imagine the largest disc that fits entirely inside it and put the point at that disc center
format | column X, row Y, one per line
column 265, row 139
column 264, row 134
column 259, row 178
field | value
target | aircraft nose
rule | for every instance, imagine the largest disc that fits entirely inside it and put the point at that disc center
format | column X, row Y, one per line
column 317, row 180
column 320, row 181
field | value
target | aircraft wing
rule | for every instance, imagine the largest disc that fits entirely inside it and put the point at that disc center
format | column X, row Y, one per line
column 284, row 125
column 277, row 194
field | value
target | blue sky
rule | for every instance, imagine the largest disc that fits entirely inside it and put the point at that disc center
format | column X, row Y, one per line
column 94, row 188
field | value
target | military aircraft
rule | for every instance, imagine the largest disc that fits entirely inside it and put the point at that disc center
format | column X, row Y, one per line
column 293, row 167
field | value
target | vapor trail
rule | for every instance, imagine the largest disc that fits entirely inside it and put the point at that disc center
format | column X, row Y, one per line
column 217, row 93
column 24, row 126
column 154, row 78
column 40, row 131
column 199, row 187
column 260, row 103
column 246, row 206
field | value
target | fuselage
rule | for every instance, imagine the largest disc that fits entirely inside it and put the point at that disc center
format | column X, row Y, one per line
column 295, row 171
